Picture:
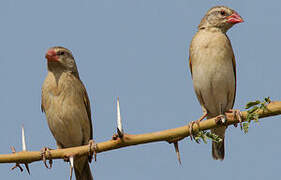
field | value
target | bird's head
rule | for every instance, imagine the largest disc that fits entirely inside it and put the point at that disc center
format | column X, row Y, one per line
column 60, row 59
column 220, row 17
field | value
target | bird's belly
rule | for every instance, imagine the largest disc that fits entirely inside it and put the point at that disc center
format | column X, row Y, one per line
column 66, row 131
column 215, row 86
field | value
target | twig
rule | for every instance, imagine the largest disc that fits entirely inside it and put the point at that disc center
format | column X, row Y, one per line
column 272, row 109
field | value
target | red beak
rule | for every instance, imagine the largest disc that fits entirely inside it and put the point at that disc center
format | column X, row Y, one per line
column 234, row 18
column 51, row 55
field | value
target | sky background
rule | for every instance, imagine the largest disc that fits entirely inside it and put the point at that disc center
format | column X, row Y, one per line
column 138, row 50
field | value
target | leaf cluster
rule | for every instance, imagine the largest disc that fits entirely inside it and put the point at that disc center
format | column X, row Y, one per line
column 204, row 135
column 253, row 107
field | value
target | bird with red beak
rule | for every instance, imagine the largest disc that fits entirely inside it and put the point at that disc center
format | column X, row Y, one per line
column 213, row 69
column 67, row 107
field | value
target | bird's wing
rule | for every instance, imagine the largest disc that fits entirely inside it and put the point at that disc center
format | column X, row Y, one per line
column 43, row 99
column 88, row 109
column 234, row 70
column 42, row 106
column 190, row 65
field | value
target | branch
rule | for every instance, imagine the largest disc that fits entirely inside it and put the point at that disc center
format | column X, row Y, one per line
column 272, row 109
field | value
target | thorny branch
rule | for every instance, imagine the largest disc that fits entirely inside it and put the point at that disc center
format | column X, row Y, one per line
column 25, row 157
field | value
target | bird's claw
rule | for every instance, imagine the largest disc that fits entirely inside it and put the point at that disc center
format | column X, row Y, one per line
column 238, row 115
column 46, row 154
column 190, row 125
column 220, row 119
column 92, row 145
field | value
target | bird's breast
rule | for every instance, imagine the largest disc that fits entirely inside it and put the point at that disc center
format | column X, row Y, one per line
column 212, row 70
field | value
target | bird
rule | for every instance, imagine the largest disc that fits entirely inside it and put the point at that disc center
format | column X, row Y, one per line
column 213, row 69
column 66, row 105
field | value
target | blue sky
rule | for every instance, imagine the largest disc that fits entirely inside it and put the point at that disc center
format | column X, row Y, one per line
column 138, row 50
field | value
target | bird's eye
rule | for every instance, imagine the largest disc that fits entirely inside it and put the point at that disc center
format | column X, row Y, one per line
column 222, row 12
column 60, row 53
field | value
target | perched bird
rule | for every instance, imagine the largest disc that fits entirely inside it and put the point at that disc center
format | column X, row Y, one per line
column 212, row 66
column 66, row 105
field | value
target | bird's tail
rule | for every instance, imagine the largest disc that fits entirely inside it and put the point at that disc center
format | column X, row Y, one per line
column 218, row 147
column 218, row 150
column 82, row 169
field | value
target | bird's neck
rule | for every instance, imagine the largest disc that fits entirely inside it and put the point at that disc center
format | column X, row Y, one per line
column 57, row 70
column 211, row 29
column 58, row 74
column 58, row 83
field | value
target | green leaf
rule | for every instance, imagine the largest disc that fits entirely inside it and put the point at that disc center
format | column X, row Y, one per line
column 213, row 137
column 256, row 118
column 203, row 135
column 263, row 106
column 253, row 109
column 204, row 138
column 246, row 127
column 251, row 104
column 267, row 99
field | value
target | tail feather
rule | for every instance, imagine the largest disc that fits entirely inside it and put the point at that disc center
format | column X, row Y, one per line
column 82, row 169
column 218, row 150
column 218, row 147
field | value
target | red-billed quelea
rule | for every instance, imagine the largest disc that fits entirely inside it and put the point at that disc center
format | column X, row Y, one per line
column 67, row 107
column 212, row 66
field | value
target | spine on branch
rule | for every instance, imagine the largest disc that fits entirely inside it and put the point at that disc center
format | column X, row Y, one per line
column 272, row 109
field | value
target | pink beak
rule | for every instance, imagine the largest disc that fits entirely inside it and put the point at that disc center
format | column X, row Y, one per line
column 234, row 18
column 51, row 55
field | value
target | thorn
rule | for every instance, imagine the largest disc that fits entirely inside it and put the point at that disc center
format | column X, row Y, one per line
column 176, row 146
column 17, row 164
column 23, row 139
column 24, row 147
column 27, row 168
column 119, row 120
column 120, row 134
column 13, row 149
column 115, row 136
column 71, row 161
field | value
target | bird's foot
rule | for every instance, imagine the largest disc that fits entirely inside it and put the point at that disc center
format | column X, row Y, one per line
column 238, row 115
column 220, row 119
column 190, row 125
column 46, row 154
column 92, row 145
